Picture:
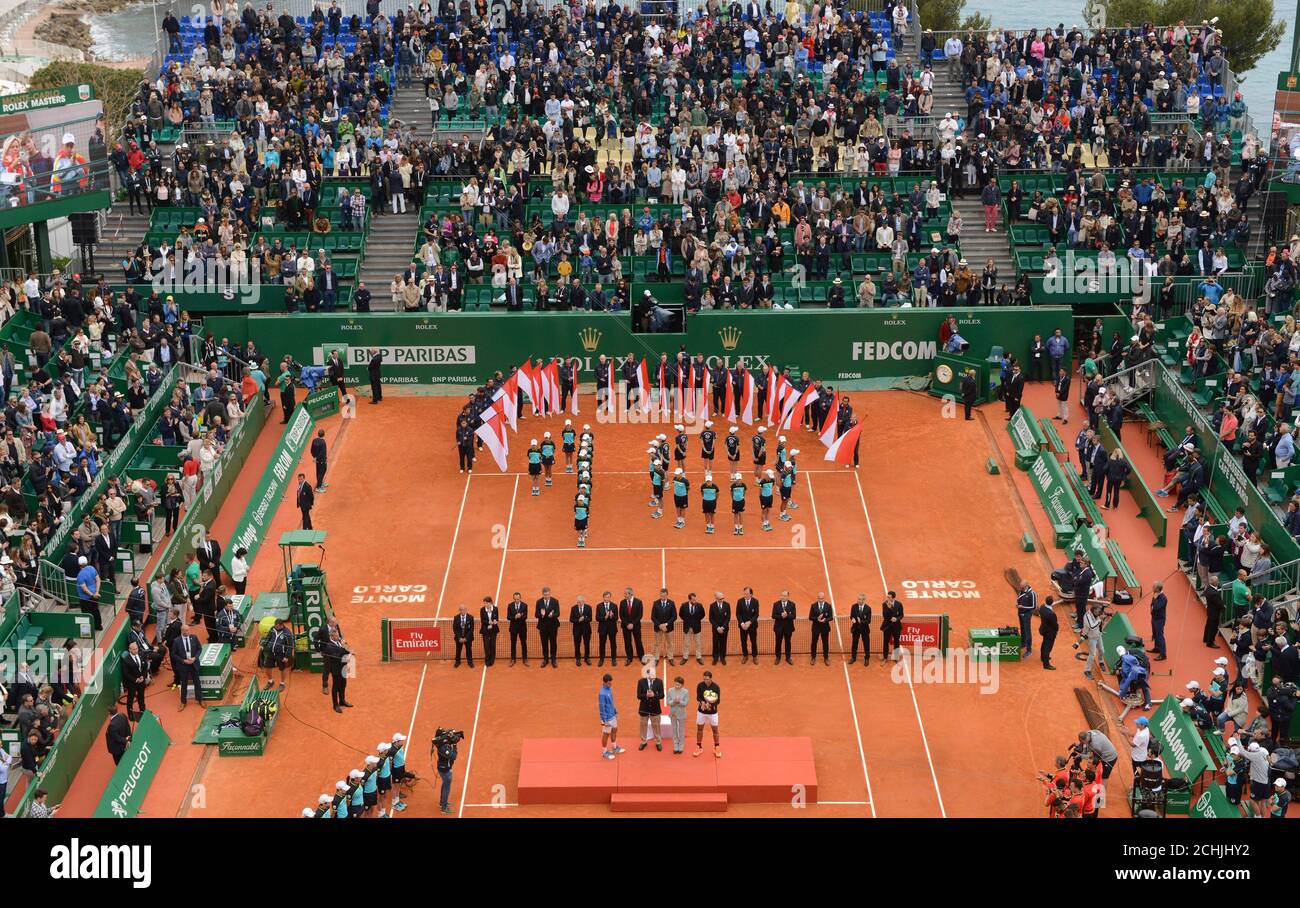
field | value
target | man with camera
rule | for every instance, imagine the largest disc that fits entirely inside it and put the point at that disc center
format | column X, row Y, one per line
column 444, row 745
column 1092, row 625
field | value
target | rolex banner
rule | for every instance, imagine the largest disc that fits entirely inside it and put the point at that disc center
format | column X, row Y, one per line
column 130, row 781
column 839, row 346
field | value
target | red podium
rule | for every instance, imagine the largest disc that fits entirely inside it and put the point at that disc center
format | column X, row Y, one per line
column 751, row 770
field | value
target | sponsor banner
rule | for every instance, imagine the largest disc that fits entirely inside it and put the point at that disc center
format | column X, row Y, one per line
column 45, row 98
column 1213, row 804
column 250, row 532
column 322, row 404
column 130, row 781
column 458, row 348
column 1026, row 435
column 1056, row 497
column 1184, row 753
column 414, row 641
column 923, row 634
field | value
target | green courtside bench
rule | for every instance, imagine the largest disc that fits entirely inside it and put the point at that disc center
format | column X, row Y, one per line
column 1053, row 437
column 230, row 738
column 1122, row 569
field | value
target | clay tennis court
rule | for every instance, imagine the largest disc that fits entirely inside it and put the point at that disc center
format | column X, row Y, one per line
column 403, row 524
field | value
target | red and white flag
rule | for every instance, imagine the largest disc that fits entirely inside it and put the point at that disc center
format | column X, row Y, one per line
column 542, row 383
column 706, row 398
column 778, row 389
column 500, row 406
column 493, row 433
column 524, row 379
column 663, row 387
column 611, row 385
column 832, row 421
column 841, row 449
column 557, row 395
column 688, row 405
column 643, row 382
column 748, row 394
column 794, row 407
column 509, row 394
column 729, row 399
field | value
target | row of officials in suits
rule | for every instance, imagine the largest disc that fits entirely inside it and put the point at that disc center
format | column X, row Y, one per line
column 626, row 616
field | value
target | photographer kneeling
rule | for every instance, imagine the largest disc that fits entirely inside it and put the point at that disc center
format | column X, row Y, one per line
column 444, row 744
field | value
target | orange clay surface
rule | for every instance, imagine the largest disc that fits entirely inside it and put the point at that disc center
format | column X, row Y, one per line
column 921, row 507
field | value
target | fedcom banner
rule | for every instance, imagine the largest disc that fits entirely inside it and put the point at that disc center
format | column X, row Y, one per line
column 841, row 345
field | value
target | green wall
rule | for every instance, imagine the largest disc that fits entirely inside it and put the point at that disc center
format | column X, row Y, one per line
column 465, row 348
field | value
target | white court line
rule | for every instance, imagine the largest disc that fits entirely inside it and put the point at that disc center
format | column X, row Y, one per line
column 722, row 547
column 410, row 730
column 907, row 672
column 843, row 803
column 857, row 729
column 473, row 735
column 701, row 470
column 663, row 567
column 494, row 806
column 452, row 551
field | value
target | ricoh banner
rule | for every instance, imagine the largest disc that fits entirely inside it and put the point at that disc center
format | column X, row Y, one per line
column 842, row 345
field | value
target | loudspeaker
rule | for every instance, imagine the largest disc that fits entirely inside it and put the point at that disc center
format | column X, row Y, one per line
column 85, row 228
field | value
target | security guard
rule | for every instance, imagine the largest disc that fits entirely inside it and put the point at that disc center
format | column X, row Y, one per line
column 860, row 629
column 517, row 615
column 891, row 623
column 747, row 610
column 1047, row 627
column 720, row 625
column 969, row 391
column 783, row 617
column 821, row 614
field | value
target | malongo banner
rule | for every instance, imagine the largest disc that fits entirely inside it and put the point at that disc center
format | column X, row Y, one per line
column 1185, row 754
column 839, row 345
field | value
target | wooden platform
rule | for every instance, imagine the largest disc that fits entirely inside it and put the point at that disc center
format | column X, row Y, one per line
column 751, row 770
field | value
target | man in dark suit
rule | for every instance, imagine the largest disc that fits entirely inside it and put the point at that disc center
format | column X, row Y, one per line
column 663, row 615
column 891, row 623
column 205, row 605
column 783, row 617
column 517, row 615
column 335, row 657
column 630, row 612
column 135, row 672
column 1159, row 608
column 860, row 629
column 1213, row 612
column 1048, row 626
column 822, row 615
column 514, row 297
column 692, row 615
column 306, row 499
column 580, row 618
column 747, row 621
column 969, row 391
column 1015, row 390
column 373, row 370
column 462, row 631
column 607, row 627
column 548, row 626
column 489, row 626
column 650, row 698
column 209, row 556
column 185, row 663
column 106, row 554
column 320, row 454
column 720, row 626
column 118, row 734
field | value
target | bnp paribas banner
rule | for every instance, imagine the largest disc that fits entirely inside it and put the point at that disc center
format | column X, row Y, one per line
column 461, row 348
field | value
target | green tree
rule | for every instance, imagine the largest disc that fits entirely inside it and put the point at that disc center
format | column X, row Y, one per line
column 1249, row 29
column 115, row 87
column 947, row 15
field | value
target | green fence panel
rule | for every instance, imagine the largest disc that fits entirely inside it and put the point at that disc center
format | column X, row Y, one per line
column 250, row 531
column 130, row 781
column 1149, row 508
column 466, row 348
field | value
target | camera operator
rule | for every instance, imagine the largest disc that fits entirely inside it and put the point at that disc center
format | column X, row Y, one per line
column 444, row 745
column 1093, row 621
column 1098, row 745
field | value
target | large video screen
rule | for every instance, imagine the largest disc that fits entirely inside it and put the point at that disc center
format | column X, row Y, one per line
column 52, row 154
